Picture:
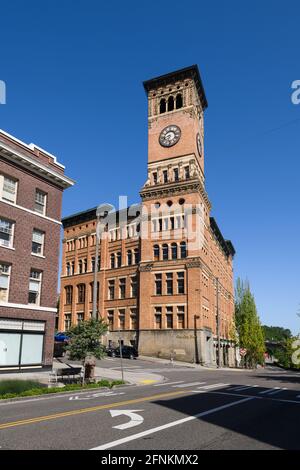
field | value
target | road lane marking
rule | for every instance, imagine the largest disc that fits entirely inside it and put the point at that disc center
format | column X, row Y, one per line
column 109, row 445
column 39, row 419
column 168, row 383
column 135, row 418
column 269, row 390
column 192, row 384
column 96, row 395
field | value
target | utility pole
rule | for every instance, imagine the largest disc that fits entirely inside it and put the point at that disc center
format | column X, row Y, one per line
column 218, row 323
column 101, row 211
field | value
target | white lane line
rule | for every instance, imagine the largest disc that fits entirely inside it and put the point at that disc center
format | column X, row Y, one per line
column 168, row 383
column 277, row 391
column 208, row 387
column 192, row 384
column 245, row 387
column 118, row 442
column 269, row 390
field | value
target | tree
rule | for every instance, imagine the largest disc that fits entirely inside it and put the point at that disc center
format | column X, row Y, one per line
column 85, row 340
column 249, row 330
column 276, row 333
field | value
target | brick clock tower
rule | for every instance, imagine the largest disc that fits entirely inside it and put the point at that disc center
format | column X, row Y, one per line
column 177, row 275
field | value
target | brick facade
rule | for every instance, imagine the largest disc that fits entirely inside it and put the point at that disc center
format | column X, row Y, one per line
column 31, row 169
column 182, row 263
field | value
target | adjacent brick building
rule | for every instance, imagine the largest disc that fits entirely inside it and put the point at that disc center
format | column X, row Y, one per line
column 165, row 276
column 31, row 189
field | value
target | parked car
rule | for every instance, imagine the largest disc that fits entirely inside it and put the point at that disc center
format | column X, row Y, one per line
column 128, row 352
column 61, row 337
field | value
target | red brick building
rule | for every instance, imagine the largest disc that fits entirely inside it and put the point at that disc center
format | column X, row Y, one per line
column 165, row 272
column 31, row 189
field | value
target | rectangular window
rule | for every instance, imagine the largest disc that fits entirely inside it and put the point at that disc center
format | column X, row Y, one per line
column 35, row 287
column 158, row 284
column 169, row 317
column 37, row 242
column 176, row 176
column 187, row 172
column 155, row 178
column 6, row 233
column 111, row 290
column 4, row 281
column 40, row 202
column 134, row 286
column 169, row 283
column 165, row 176
column 110, row 319
column 180, row 317
column 67, row 321
column 80, row 317
column 8, row 189
column 122, row 286
column 180, row 283
column 133, row 319
column 157, row 318
column 122, row 319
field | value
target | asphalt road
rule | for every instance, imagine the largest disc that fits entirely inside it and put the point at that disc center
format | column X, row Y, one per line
column 192, row 409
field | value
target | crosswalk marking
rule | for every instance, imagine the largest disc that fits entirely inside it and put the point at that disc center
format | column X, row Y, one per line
column 269, row 390
column 244, row 387
column 208, row 387
column 193, row 384
column 168, row 383
column 277, row 391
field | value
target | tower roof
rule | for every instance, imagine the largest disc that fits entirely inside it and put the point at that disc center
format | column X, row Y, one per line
column 187, row 72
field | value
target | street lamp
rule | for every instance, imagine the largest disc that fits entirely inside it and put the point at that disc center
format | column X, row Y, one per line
column 101, row 211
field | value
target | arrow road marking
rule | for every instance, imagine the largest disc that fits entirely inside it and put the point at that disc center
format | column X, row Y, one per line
column 96, row 395
column 135, row 419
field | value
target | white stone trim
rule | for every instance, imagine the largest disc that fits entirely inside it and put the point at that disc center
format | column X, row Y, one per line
column 28, row 307
column 43, row 169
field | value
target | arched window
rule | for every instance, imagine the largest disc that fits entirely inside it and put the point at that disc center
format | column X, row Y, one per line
column 129, row 257
column 69, row 294
column 165, row 251
column 174, row 250
column 171, row 103
column 179, row 101
column 81, row 293
column 162, row 106
column 80, row 266
column 156, row 252
column 136, row 256
column 183, row 249
column 119, row 259
column 112, row 260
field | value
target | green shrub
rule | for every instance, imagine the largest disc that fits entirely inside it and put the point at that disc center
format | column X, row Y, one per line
column 42, row 390
column 18, row 386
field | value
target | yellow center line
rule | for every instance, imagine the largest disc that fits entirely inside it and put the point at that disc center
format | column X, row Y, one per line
column 64, row 414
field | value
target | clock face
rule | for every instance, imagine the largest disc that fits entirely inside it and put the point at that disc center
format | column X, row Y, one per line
column 199, row 144
column 169, row 136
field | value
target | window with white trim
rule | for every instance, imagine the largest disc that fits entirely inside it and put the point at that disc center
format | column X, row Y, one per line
column 40, row 202
column 6, row 233
column 37, row 242
column 4, row 281
column 35, row 281
column 8, row 189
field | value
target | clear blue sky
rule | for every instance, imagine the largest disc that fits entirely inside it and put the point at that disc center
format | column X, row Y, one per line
column 73, row 71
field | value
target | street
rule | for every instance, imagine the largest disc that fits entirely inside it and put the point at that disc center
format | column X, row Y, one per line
column 190, row 409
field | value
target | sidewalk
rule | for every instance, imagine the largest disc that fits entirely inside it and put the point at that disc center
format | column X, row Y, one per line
column 158, row 360
column 137, row 378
